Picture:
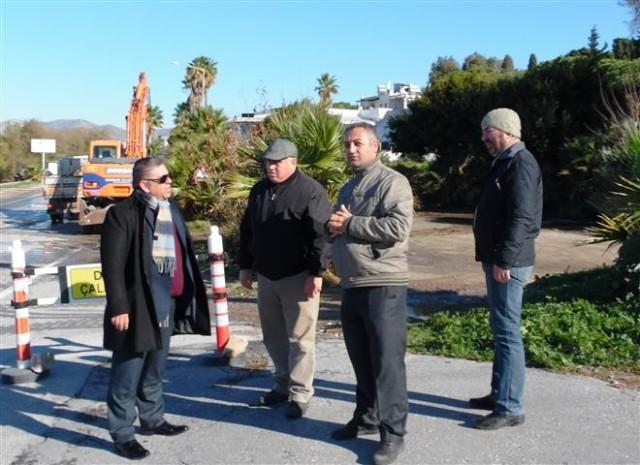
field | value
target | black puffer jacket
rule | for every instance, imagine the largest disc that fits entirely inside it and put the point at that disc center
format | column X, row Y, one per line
column 509, row 213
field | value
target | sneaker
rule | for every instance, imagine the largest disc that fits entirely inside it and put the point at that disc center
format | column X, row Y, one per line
column 296, row 409
column 390, row 447
column 483, row 403
column 352, row 430
column 272, row 398
column 497, row 421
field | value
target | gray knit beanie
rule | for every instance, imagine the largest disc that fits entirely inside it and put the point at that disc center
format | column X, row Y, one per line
column 504, row 119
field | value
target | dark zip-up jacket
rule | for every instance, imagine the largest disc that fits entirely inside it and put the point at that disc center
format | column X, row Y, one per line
column 509, row 214
column 282, row 231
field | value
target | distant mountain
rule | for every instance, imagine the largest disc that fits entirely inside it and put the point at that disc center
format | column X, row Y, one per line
column 113, row 132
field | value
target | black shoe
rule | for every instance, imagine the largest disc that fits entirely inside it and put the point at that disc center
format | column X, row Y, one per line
column 296, row 409
column 132, row 450
column 165, row 429
column 483, row 403
column 497, row 421
column 272, row 398
column 352, row 430
column 390, row 447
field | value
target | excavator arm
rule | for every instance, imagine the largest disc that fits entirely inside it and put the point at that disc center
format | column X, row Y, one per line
column 137, row 120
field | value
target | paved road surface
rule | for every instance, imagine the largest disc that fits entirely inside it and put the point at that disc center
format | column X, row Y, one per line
column 570, row 419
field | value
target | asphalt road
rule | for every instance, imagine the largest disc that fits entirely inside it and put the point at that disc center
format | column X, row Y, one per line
column 61, row 420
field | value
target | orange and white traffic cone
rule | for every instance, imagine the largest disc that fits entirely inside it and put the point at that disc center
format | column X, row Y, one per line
column 227, row 345
column 21, row 304
column 221, row 309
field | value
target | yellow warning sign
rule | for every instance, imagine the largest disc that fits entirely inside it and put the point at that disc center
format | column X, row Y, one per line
column 85, row 282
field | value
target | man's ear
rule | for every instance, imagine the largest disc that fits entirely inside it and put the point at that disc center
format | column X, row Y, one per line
column 143, row 187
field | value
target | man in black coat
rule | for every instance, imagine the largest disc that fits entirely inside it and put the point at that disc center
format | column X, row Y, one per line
column 282, row 238
column 506, row 223
column 154, row 289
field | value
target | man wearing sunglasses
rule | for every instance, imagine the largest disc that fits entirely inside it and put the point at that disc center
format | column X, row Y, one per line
column 154, row 289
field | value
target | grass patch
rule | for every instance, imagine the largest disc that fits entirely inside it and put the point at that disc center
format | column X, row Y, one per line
column 597, row 285
column 566, row 324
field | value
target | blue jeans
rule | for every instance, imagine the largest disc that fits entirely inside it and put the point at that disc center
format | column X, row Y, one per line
column 505, row 304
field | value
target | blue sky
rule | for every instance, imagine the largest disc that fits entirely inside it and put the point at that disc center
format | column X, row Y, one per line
column 80, row 59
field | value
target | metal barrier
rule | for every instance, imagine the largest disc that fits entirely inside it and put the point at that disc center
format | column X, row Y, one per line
column 82, row 282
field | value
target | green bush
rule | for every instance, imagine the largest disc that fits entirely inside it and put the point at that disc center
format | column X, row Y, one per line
column 557, row 335
column 597, row 285
column 564, row 334
column 569, row 320
column 424, row 181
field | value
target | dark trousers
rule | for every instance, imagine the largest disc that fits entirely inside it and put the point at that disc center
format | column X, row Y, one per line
column 374, row 325
column 136, row 380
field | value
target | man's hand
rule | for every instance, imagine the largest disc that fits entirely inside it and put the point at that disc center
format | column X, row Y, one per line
column 500, row 274
column 338, row 221
column 246, row 278
column 121, row 322
column 312, row 286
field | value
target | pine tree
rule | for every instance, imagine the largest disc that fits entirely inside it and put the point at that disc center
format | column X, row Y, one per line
column 507, row 64
column 594, row 43
column 533, row 62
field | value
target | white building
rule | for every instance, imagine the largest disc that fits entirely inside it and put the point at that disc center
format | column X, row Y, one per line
column 376, row 110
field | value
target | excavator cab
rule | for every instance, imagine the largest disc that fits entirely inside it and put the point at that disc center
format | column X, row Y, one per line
column 100, row 149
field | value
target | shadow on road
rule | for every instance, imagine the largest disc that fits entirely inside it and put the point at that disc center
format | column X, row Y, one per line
column 193, row 389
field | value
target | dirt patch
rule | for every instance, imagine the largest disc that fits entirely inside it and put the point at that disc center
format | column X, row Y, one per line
column 443, row 272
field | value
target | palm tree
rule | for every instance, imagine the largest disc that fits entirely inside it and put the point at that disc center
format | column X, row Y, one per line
column 200, row 75
column 155, row 120
column 326, row 87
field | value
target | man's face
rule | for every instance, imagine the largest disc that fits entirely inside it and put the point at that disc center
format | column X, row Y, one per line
column 280, row 170
column 495, row 140
column 361, row 147
column 157, row 182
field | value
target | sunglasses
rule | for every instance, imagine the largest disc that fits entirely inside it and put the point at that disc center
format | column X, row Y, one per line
column 161, row 180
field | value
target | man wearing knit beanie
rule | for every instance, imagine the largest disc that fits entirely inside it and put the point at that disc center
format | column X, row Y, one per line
column 506, row 222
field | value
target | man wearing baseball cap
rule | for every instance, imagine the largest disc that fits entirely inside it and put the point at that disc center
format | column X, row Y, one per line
column 282, row 239
column 506, row 222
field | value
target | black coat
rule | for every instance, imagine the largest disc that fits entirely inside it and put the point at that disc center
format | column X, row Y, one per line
column 126, row 261
column 509, row 213
column 283, row 229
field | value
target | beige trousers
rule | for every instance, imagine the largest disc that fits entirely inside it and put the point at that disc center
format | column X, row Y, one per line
column 288, row 321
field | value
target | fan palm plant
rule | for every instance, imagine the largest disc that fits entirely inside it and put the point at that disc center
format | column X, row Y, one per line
column 620, row 222
column 318, row 137
column 203, row 141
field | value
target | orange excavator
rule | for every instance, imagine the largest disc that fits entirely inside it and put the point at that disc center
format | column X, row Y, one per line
column 106, row 176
